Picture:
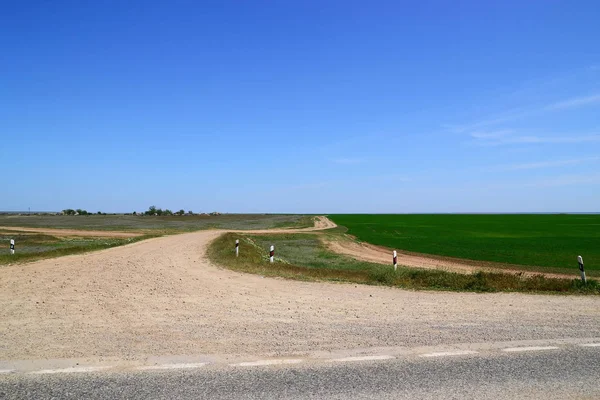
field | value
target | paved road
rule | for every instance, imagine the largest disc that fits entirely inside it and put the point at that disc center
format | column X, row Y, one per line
column 571, row 372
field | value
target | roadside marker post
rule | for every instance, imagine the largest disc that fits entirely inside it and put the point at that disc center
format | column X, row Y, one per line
column 237, row 247
column 580, row 262
column 12, row 246
column 395, row 261
column 272, row 254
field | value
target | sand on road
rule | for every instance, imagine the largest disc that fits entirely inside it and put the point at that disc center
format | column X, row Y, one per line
column 163, row 297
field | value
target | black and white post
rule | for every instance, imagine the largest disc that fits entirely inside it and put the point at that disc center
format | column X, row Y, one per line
column 580, row 262
column 237, row 247
column 272, row 254
column 12, row 246
column 395, row 260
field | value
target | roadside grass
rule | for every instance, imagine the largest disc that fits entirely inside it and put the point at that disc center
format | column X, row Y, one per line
column 156, row 224
column 536, row 242
column 32, row 247
column 305, row 221
column 303, row 257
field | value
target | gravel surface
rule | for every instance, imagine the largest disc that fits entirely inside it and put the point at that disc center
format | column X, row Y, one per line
column 163, row 297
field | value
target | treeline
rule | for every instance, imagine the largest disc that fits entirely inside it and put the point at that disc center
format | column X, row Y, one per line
column 79, row 211
column 153, row 210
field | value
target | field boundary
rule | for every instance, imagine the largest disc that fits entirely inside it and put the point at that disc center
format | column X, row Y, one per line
column 364, row 251
column 72, row 232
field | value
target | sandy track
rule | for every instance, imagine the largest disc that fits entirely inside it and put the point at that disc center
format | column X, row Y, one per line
column 321, row 223
column 163, row 297
column 380, row 255
column 72, row 232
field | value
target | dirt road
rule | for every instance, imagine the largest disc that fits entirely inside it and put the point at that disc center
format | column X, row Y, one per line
column 72, row 232
column 163, row 297
column 376, row 254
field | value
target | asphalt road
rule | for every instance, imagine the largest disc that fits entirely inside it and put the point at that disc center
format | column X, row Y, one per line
column 572, row 372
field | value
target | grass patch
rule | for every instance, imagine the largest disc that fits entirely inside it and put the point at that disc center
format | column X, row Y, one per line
column 32, row 247
column 303, row 257
column 155, row 224
column 536, row 242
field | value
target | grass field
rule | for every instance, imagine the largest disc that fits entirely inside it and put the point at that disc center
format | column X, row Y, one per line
column 165, row 224
column 34, row 246
column 31, row 247
column 303, row 257
column 549, row 241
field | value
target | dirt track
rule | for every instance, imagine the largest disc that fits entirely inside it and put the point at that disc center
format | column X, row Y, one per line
column 163, row 297
column 375, row 254
column 72, row 232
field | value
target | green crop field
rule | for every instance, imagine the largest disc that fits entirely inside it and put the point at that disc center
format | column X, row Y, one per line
column 305, row 257
column 552, row 241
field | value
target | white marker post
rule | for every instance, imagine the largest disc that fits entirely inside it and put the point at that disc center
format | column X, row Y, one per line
column 237, row 247
column 12, row 246
column 272, row 254
column 395, row 261
column 580, row 261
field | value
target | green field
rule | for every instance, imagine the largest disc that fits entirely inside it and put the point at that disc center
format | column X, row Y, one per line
column 304, row 257
column 552, row 241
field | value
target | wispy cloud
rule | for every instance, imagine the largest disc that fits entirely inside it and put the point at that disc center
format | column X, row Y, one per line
column 565, row 180
column 519, row 139
column 523, row 112
column 544, row 164
column 574, row 102
column 492, row 134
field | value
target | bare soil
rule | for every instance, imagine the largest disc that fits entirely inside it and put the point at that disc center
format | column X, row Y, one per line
column 72, row 232
column 375, row 254
column 163, row 297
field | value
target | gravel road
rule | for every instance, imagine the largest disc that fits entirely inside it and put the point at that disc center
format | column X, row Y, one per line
column 163, row 297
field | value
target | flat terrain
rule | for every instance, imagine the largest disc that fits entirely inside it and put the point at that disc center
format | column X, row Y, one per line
column 31, row 244
column 156, row 319
column 47, row 236
column 171, row 224
column 163, row 297
column 551, row 242
column 329, row 256
column 378, row 254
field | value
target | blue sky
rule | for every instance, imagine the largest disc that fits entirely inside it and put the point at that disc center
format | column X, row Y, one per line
column 300, row 106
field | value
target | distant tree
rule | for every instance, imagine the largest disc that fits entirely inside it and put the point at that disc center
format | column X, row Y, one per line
column 167, row 212
column 190, row 212
column 99, row 213
column 180, row 212
column 159, row 211
column 69, row 211
column 151, row 210
column 134, row 213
